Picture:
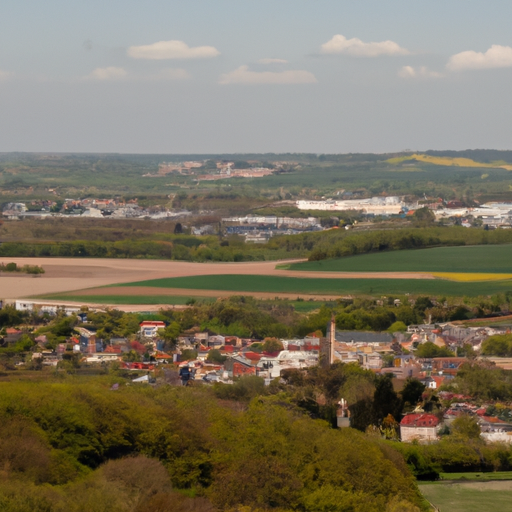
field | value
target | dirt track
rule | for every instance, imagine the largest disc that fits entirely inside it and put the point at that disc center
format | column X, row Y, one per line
column 71, row 274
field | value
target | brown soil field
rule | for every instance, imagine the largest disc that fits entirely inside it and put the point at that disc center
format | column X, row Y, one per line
column 185, row 292
column 72, row 274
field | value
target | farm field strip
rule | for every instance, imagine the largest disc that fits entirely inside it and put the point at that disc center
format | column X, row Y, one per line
column 471, row 276
column 449, row 161
column 481, row 259
column 314, row 286
column 152, row 295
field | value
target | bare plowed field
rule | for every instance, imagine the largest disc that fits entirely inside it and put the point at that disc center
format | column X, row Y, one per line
column 71, row 274
column 149, row 291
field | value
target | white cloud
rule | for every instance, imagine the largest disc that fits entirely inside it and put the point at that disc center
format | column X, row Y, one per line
column 5, row 75
column 421, row 72
column 357, row 48
column 171, row 50
column 110, row 73
column 272, row 61
column 495, row 57
column 242, row 75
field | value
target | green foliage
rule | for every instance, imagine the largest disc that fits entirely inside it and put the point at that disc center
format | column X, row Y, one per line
column 397, row 326
column 412, row 391
column 214, row 356
column 10, row 317
column 272, row 345
column 465, row 427
column 244, row 389
column 497, row 345
column 429, row 350
column 424, row 217
column 484, row 381
column 27, row 269
column 188, row 355
column 128, row 449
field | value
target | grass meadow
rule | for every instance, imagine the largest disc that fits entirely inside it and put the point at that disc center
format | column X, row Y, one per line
column 482, row 496
column 319, row 286
column 478, row 259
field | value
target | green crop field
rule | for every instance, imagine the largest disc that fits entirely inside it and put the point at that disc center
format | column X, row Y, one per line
column 469, row 497
column 478, row 259
column 319, row 286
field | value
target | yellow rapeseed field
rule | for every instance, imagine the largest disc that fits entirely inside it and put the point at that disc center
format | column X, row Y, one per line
column 470, row 276
column 444, row 160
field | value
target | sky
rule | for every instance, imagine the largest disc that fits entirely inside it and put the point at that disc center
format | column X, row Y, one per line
column 246, row 76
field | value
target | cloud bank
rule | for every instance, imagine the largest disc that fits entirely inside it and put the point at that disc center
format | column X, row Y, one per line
column 110, row 73
column 421, row 72
column 172, row 50
column 495, row 57
column 242, row 75
column 356, row 48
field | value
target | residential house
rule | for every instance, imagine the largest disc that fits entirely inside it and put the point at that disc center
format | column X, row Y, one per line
column 370, row 360
column 149, row 328
column 419, row 426
column 239, row 365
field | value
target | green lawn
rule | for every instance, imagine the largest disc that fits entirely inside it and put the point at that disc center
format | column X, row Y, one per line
column 470, row 496
column 495, row 475
column 481, row 258
column 319, row 286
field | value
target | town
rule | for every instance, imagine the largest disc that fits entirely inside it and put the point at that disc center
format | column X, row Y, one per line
column 429, row 355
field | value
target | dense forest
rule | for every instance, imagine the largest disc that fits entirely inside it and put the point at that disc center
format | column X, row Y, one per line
column 80, row 446
column 73, row 443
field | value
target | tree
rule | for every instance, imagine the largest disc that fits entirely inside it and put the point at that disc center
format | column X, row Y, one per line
column 385, row 400
column 188, row 355
column 466, row 351
column 498, row 345
column 214, row 356
column 466, row 426
column 397, row 327
column 412, row 391
column 422, row 303
column 429, row 350
column 424, row 217
column 272, row 345
column 178, row 229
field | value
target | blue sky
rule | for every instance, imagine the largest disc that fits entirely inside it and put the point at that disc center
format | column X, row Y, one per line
column 254, row 75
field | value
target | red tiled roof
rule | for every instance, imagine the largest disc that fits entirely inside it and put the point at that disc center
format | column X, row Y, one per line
column 438, row 380
column 252, row 356
column 491, row 419
column 419, row 420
